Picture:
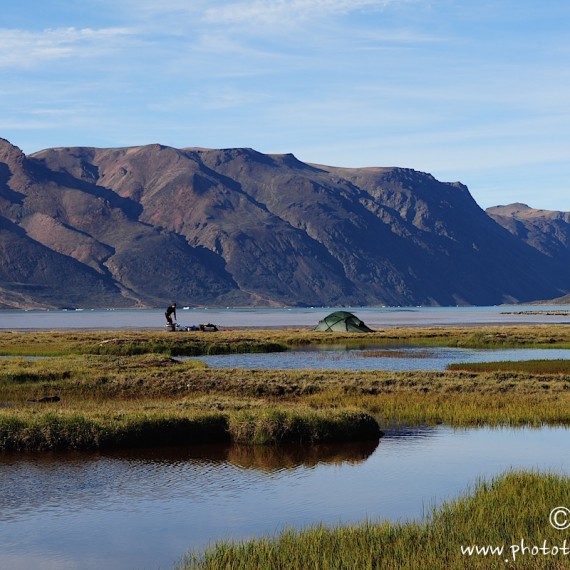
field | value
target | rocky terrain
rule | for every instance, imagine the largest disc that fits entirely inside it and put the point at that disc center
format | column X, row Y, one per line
column 143, row 226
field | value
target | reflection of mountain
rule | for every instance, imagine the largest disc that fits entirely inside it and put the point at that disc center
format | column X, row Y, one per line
column 261, row 457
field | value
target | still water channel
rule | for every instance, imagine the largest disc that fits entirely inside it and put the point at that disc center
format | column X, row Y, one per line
column 144, row 509
column 377, row 358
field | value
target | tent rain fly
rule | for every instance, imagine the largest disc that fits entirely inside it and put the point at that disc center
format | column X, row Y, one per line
column 342, row 321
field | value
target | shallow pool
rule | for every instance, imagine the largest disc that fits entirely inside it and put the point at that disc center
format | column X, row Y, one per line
column 377, row 358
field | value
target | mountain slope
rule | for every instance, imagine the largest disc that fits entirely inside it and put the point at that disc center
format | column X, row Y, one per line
column 545, row 230
column 148, row 225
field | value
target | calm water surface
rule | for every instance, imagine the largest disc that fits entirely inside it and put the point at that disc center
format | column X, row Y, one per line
column 375, row 358
column 145, row 509
column 375, row 317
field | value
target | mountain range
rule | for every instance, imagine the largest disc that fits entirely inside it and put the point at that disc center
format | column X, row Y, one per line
column 145, row 226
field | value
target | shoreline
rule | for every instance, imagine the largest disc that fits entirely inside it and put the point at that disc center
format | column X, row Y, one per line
column 377, row 318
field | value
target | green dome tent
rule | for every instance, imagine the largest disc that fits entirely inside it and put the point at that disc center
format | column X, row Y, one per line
column 342, row 321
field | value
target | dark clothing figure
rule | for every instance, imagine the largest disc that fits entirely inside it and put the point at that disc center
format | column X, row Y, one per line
column 169, row 312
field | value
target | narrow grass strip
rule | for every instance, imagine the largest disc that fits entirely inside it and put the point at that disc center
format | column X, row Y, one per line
column 560, row 366
column 508, row 518
column 60, row 431
column 72, row 430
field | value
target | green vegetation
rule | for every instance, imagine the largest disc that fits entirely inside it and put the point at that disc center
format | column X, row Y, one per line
column 132, row 343
column 511, row 512
column 91, row 430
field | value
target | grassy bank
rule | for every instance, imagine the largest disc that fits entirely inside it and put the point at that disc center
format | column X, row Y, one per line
column 90, row 429
column 510, row 512
column 93, row 401
column 524, row 366
column 125, row 343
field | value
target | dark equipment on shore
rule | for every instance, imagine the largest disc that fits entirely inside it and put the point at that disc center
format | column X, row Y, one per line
column 342, row 321
column 204, row 327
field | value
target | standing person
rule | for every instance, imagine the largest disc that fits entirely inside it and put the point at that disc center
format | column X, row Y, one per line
column 169, row 312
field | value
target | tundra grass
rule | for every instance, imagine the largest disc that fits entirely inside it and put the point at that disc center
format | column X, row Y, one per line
column 125, row 343
column 529, row 366
column 265, row 405
column 509, row 514
column 109, row 396
column 61, row 429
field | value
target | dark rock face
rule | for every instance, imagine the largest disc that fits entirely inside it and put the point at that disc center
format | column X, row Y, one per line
column 144, row 226
column 544, row 230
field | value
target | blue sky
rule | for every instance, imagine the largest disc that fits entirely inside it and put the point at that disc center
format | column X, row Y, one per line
column 469, row 90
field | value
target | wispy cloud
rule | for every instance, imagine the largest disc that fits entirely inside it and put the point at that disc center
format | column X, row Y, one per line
column 257, row 11
column 446, row 86
column 27, row 48
column 280, row 12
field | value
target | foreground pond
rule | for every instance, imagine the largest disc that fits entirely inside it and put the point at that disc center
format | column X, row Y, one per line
column 145, row 509
column 377, row 358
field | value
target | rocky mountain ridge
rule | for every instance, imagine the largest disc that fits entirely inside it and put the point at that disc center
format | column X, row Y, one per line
column 142, row 226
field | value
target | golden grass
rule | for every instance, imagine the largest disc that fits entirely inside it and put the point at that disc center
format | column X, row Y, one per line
column 194, row 343
column 528, row 366
column 509, row 512
column 155, row 389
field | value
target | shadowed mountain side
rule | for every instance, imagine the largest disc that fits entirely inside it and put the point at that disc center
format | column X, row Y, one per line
column 458, row 247
column 174, row 270
column 545, row 230
column 233, row 227
column 34, row 276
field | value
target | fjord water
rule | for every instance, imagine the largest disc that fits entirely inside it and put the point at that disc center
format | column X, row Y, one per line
column 375, row 317
column 144, row 509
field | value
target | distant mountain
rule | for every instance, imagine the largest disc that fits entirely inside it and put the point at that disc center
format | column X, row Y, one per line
column 144, row 226
column 544, row 230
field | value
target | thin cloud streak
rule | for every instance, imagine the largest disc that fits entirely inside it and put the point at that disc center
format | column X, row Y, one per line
column 26, row 48
column 282, row 12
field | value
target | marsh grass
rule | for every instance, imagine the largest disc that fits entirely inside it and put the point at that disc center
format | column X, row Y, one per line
column 501, row 512
column 61, row 429
column 64, row 430
column 126, row 343
column 265, row 406
column 133, row 343
column 102, row 397
column 559, row 366
column 309, row 426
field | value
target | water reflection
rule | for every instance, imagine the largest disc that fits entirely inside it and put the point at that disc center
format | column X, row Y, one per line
column 265, row 458
column 145, row 508
column 70, row 481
